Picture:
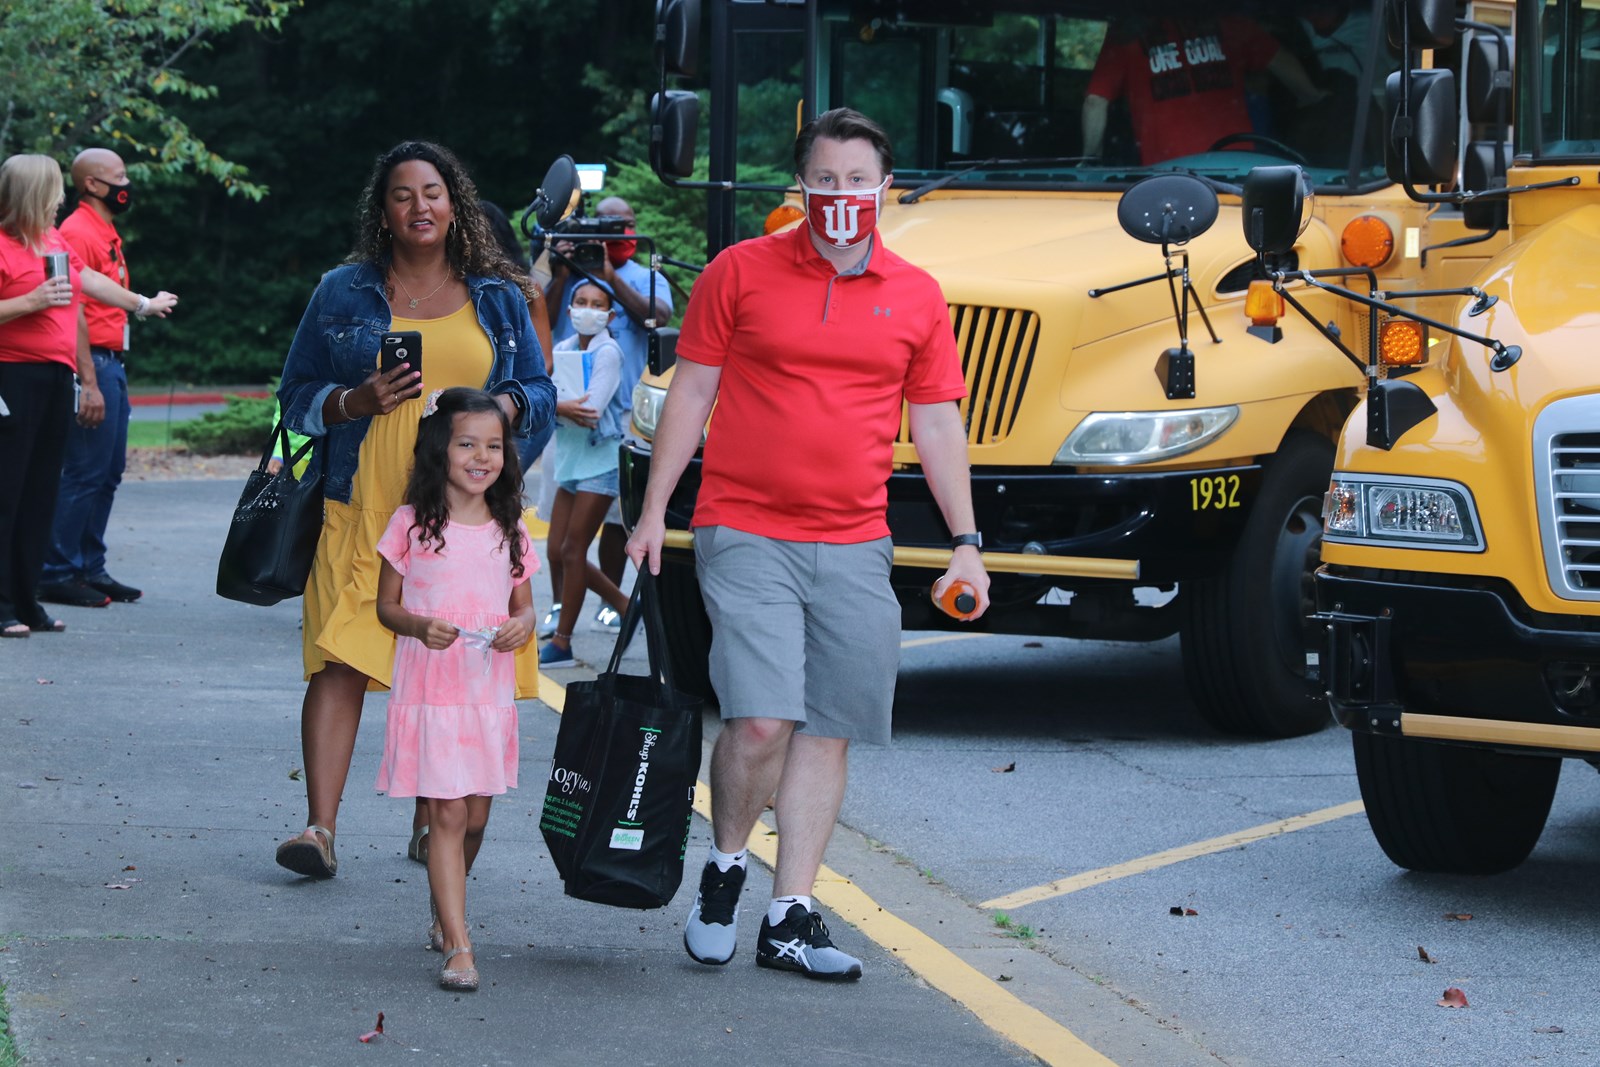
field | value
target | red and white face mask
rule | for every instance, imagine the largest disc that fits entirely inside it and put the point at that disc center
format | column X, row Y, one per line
column 843, row 218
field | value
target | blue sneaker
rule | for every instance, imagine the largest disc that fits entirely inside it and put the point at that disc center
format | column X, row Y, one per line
column 801, row 943
column 552, row 656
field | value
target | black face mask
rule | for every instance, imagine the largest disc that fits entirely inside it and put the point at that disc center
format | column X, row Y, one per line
column 119, row 199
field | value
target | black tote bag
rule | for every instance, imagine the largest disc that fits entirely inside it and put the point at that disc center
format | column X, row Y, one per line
column 273, row 535
column 620, row 798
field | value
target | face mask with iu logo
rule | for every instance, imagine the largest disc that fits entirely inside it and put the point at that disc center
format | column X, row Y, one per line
column 843, row 218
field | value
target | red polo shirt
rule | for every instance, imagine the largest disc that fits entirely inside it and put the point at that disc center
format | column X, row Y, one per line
column 815, row 366
column 98, row 242
column 46, row 336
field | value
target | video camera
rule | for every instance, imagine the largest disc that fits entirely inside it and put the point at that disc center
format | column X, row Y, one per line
column 586, row 254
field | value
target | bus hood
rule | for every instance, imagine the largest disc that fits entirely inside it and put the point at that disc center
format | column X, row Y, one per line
column 1046, row 252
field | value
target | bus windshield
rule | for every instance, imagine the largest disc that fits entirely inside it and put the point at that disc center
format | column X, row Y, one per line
column 1559, row 91
column 1042, row 92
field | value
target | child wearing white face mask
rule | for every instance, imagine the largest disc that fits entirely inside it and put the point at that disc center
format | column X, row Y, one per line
column 587, row 435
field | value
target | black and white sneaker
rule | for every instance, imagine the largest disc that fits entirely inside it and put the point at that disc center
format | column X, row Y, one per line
column 712, row 932
column 800, row 943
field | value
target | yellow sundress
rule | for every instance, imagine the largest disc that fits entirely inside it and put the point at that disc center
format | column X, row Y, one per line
column 341, row 617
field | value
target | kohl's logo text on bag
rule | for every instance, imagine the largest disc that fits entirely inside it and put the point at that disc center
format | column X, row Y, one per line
column 650, row 738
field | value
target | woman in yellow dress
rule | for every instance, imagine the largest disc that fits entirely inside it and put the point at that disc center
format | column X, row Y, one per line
column 425, row 261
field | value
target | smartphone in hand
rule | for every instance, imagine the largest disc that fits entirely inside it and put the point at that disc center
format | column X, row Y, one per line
column 400, row 346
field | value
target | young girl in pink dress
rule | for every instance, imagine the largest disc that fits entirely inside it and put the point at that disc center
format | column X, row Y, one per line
column 454, row 589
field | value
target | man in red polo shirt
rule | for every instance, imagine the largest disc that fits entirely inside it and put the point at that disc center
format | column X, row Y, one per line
column 75, row 565
column 807, row 343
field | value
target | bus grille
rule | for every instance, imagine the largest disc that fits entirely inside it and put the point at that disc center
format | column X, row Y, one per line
column 997, row 349
column 1567, row 458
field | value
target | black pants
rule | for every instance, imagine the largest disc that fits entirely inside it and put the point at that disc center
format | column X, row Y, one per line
column 33, row 439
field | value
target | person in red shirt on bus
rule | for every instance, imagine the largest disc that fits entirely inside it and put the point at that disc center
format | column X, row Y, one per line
column 75, row 565
column 809, row 343
column 1184, row 81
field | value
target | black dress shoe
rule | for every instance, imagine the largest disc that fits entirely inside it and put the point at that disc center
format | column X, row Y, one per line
column 73, row 594
column 122, row 594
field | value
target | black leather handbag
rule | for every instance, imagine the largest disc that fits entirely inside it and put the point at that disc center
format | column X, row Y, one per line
column 273, row 536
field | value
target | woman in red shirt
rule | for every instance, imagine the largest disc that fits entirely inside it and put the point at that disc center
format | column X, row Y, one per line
column 42, row 335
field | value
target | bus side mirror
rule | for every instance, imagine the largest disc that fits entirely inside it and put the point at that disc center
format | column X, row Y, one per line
column 672, row 134
column 1484, row 167
column 1488, row 90
column 678, row 30
column 1427, row 137
column 1273, row 209
column 663, row 349
column 1432, row 22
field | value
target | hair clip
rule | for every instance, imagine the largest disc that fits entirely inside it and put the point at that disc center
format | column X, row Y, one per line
column 432, row 403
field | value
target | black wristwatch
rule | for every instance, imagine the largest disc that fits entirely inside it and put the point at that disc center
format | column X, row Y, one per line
column 973, row 539
column 519, row 403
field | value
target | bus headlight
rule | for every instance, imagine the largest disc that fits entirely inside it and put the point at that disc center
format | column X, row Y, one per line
column 647, row 402
column 1403, row 512
column 1114, row 438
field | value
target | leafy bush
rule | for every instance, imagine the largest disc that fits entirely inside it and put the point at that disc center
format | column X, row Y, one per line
column 239, row 429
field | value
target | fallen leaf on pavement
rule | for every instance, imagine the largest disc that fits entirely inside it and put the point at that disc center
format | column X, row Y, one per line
column 1453, row 998
column 130, row 867
column 1422, row 954
column 1548, row 1030
column 1007, row 769
column 295, row 774
column 1003, row 978
column 1458, row 916
column 374, row 1032
column 1190, row 911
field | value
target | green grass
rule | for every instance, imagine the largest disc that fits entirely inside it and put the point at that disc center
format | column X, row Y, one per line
column 9, row 1056
column 154, row 433
column 1011, row 928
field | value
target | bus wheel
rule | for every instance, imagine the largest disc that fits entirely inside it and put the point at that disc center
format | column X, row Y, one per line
column 688, row 629
column 1450, row 809
column 1246, row 632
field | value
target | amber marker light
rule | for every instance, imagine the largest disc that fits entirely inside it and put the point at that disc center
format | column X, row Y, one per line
column 1367, row 241
column 781, row 216
column 1401, row 343
column 1263, row 305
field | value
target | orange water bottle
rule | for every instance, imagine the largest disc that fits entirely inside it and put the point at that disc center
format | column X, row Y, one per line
column 959, row 600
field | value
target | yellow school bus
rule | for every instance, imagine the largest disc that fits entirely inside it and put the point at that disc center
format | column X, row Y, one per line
column 1130, row 482
column 1460, row 588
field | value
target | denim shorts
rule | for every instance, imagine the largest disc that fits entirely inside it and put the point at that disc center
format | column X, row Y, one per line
column 805, row 631
column 605, row 484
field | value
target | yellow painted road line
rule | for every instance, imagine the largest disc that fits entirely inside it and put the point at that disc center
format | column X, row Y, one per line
column 1171, row 856
column 918, row 642
column 935, row 964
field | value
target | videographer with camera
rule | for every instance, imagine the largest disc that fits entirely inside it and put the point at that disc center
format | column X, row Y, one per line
column 612, row 264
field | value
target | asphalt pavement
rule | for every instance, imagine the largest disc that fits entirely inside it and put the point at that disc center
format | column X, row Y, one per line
column 152, row 765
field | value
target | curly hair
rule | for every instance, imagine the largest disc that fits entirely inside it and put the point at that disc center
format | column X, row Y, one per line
column 470, row 244
column 430, row 469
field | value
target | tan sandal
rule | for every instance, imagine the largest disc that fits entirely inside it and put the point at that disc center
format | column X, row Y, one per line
column 460, row 980
column 310, row 854
column 418, row 849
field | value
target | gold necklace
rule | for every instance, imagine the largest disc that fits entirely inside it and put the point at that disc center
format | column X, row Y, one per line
column 415, row 300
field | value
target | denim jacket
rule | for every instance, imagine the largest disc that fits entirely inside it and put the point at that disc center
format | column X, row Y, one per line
column 336, row 346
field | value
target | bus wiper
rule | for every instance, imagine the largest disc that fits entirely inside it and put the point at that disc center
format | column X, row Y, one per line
column 925, row 188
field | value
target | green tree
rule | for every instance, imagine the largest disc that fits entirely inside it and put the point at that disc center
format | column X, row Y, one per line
column 81, row 72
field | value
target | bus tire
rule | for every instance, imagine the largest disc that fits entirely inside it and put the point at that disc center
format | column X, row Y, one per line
column 1450, row 809
column 1246, row 632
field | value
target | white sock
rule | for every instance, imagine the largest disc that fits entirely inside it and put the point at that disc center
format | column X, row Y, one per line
column 727, row 860
column 778, row 910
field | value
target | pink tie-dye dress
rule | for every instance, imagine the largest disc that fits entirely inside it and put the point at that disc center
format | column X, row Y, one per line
column 452, row 729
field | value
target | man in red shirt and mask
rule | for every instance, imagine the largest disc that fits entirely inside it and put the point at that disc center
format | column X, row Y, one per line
column 808, row 342
column 75, row 565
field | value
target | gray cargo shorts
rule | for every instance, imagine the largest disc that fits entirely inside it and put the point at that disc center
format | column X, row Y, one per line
column 801, row 630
